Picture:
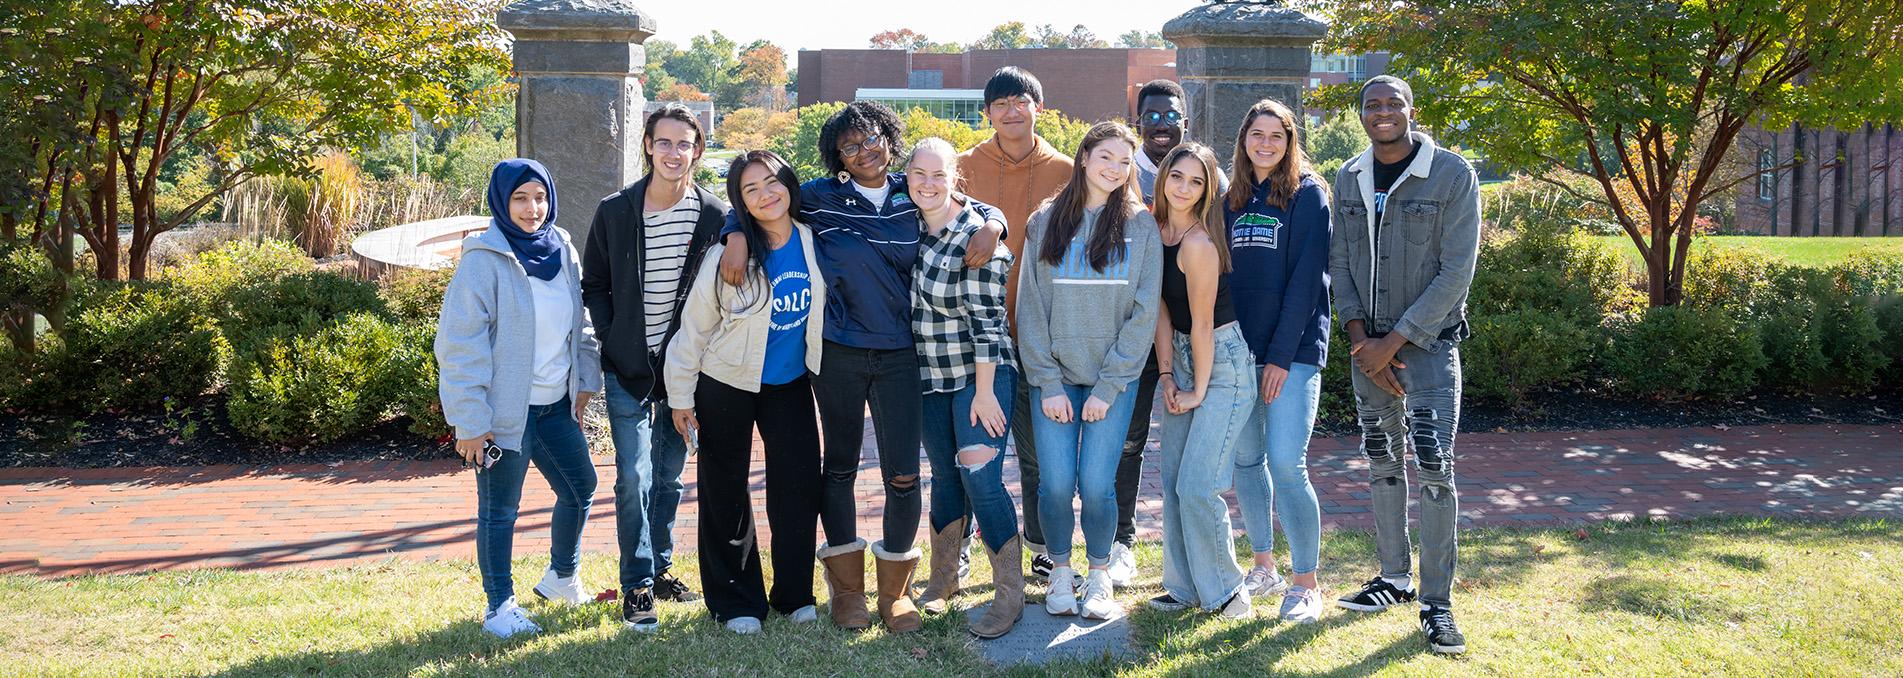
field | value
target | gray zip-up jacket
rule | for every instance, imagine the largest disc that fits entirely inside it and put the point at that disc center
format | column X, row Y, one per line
column 1412, row 274
column 1081, row 326
column 485, row 341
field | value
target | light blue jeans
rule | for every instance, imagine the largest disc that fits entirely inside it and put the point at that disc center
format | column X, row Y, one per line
column 1199, row 451
column 1278, row 434
column 1079, row 458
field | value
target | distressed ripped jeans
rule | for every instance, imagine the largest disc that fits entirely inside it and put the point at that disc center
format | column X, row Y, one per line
column 1424, row 420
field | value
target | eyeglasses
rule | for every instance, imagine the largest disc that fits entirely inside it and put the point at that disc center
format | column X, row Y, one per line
column 1021, row 102
column 1161, row 117
column 870, row 143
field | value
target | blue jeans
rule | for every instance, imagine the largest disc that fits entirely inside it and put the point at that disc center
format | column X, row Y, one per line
column 1425, row 420
column 1276, row 437
column 1079, row 458
column 553, row 440
column 1199, row 451
column 649, row 456
column 956, row 487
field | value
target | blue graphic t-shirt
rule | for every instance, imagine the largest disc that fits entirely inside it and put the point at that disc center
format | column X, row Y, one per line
column 792, row 299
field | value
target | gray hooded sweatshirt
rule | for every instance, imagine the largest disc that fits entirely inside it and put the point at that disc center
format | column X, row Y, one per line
column 1081, row 326
column 485, row 341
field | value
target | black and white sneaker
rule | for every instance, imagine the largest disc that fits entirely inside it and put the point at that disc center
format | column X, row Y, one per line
column 1169, row 603
column 1041, row 565
column 1442, row 635
column 637, row 611
column 667, row 588
column 1376, row 596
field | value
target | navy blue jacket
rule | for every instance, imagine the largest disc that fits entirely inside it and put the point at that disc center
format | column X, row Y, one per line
column 866, row 255
column 1280, row 277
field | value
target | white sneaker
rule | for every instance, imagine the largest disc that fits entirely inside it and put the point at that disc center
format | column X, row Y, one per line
column 1123, row 565
column 1238, row 607
column 1301, row 605
column 507, row 620
column 561, row 589
column 1100, row 596
column 964, row 559
column 1263, row 582
column 1060, row 600
column 806, row 615
column 745, row 626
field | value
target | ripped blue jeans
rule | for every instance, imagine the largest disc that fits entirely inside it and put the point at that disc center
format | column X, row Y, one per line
column 1424, row 420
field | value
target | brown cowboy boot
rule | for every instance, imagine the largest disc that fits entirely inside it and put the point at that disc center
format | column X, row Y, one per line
column 895, row 581
column 942, row 582
column 1007, row 601
column 845, row 567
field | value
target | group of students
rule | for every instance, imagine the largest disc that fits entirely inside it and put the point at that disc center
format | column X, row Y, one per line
column 947, row 299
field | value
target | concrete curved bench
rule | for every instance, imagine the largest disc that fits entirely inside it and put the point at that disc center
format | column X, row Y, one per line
column 432, row 244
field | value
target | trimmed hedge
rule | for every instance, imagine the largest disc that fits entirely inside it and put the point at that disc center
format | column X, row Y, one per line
column 126, row 346
column 1678, row 352
column 318, row 387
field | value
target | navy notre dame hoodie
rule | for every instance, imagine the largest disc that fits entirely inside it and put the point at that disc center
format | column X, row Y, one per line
column 866, row 253
column 1280, row 277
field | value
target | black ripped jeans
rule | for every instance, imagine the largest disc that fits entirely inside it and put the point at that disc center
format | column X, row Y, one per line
column 849, row 380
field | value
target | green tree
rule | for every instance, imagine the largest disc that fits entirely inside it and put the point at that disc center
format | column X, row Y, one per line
column 1011, row 35
column 655, row 78
column 1138, row 39
column 800, row 145
column 1334, row 142
column 1645, row 97
column 1064, row 133
column 709, row 63
column 263, row 84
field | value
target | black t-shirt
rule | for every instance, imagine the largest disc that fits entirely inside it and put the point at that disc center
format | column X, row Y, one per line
column 1385, row 174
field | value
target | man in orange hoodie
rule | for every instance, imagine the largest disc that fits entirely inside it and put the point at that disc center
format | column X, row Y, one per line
column 1016, row 171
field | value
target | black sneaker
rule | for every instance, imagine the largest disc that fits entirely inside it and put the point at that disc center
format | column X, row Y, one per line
column 1168, row 603
column 1376, row 596
column 667, row 588
column 1442, row 635
column 1041, row 565
column 637, row 611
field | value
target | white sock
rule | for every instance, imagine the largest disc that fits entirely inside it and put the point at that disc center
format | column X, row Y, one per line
column 1402, row 582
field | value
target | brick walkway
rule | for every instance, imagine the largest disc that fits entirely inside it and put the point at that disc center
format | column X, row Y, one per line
column 71, row 521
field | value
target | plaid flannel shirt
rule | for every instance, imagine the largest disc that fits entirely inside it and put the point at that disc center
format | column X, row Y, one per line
column 958, row 313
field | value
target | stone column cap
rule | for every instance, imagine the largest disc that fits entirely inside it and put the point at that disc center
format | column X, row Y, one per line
column 1231, row 20
column 602, row 20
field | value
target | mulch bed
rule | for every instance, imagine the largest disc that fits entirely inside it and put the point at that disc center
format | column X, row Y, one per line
column 197, row 433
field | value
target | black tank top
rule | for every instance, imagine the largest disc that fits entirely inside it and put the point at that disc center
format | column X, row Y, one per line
column 1176, row 294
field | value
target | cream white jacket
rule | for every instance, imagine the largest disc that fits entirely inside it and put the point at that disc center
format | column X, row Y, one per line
column 724, row 329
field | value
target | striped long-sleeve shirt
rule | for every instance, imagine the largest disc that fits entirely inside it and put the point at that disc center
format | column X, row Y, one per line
column 958, row 313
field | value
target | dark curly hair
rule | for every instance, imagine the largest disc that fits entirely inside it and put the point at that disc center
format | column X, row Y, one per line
column 866, row 117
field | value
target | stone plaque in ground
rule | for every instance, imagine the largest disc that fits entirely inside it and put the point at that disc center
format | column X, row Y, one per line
column 1039, row 637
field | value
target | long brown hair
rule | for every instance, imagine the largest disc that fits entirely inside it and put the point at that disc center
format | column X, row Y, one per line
column 1067, row 207
column 1286, row 178
column 1208, row 206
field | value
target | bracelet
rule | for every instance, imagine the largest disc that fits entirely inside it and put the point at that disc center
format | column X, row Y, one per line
column 1163, row 372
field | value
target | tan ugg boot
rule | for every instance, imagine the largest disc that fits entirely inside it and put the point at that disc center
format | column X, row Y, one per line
column 942, row 582
column 1007, row 600
column 845, row 567
column 895, row 572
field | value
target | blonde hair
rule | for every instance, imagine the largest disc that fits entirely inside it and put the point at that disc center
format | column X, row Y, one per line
column 939, row 146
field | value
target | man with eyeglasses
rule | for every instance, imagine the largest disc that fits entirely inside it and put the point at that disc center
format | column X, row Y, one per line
column 643, row 249
column 1016, row 170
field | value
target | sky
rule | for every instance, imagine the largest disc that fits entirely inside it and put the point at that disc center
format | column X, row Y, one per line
column 847, row 24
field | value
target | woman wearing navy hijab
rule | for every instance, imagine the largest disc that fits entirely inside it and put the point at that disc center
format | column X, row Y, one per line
column 518, row 363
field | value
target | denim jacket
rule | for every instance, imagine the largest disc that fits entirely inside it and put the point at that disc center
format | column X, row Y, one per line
column 1412, row 275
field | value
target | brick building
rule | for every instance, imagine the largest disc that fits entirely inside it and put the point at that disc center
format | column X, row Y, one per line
column 1851, row 186
column 1087, row 84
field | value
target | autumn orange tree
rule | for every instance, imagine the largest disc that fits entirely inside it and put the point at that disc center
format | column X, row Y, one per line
column 1645, row 97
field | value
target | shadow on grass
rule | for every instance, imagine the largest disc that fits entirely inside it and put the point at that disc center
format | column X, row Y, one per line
column 1653, row 597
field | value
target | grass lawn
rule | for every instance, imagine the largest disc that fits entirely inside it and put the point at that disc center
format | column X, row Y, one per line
column 1810, row 252
column 1707, row 597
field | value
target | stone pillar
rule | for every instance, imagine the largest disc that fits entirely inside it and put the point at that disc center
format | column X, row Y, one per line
column 1230, row 55
column 579, row 106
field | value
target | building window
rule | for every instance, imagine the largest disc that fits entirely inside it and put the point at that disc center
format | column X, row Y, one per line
column 1767, row 180
column 927, row 80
